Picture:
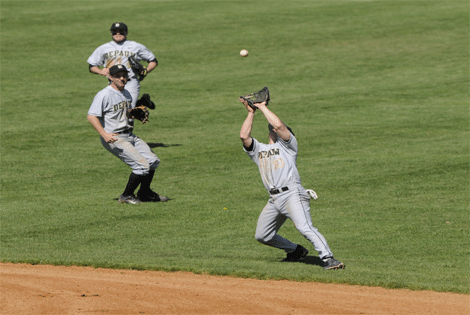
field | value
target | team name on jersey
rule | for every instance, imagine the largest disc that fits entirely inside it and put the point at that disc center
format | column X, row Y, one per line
column 266, row 154
column 122, row 105
column 118, row 53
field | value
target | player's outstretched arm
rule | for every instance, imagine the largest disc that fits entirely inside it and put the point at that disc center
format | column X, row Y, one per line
column 245, row 132
column 279, row 127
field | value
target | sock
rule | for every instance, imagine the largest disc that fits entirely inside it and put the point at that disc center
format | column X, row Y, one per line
column 146, row 181
column 132, row 184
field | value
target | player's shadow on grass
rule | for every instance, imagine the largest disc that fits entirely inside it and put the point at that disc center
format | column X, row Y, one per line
column 310, row 260
column 148, row 201
column 162, row 145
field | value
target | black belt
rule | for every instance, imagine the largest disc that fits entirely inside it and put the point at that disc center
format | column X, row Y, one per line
column 125, row 131
column 277, row 191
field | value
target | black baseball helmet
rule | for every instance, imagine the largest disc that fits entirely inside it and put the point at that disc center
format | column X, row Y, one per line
column 117, row 69
column 118, row 26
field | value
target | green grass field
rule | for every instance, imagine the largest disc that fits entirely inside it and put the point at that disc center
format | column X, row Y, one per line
column 377, row 93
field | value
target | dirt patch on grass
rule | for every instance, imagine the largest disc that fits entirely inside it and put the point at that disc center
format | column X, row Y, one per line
column 45, row 289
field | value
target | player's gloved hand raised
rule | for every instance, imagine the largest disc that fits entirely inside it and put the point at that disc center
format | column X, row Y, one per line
column 248, row 107
column 260, row 98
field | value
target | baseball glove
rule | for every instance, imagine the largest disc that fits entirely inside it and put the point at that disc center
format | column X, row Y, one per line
column 139, row 70
column 140, row 113
column 257, row 97
column 145, row 101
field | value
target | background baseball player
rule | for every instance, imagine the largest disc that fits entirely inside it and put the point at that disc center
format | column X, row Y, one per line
column 118, row 51
column 288, row 199
column 109, row 115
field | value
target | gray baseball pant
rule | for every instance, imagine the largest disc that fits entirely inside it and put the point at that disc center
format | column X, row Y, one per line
column 293, row 204
column 134, row 152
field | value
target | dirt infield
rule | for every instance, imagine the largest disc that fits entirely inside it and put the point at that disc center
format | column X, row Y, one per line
column 45, row 289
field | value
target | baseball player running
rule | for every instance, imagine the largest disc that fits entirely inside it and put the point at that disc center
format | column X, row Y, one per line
column 288, row 199
column 108, row 114
column 118, row 51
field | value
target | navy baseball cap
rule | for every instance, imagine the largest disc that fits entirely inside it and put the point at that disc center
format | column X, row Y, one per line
column 117, row 69
column 118, row 26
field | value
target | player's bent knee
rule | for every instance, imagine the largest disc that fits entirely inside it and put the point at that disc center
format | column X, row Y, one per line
column 140, row 172
column 155, row 164
column 262, row 238
column 142, row 168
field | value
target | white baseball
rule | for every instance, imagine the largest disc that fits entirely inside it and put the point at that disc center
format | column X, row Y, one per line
column 243, row 52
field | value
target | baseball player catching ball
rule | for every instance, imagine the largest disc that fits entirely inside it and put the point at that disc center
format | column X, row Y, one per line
column 288, row 199
column 118, row 51
column 111, row 115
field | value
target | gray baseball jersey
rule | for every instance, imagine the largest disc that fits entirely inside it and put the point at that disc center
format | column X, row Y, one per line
column 113, row 53
column 110, row 106
column 276, row 162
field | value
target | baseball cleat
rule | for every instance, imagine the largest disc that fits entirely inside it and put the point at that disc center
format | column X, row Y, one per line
column 331, row 263
column 297, row 254
column 128, row 199
column 151, row 197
